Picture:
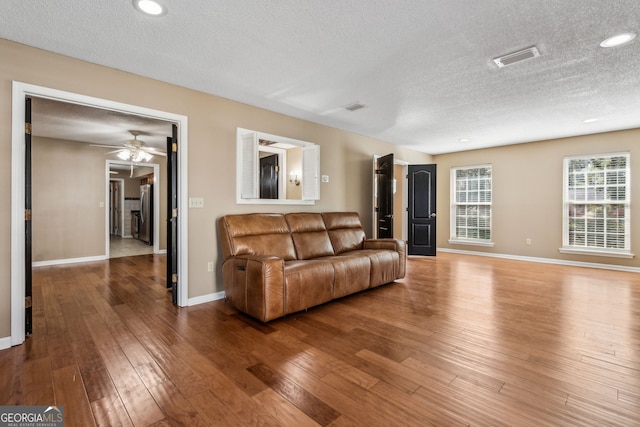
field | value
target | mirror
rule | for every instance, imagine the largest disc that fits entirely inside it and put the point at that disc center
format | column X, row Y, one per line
column 276, row 170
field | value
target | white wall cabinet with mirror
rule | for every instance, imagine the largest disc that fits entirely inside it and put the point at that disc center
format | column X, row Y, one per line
column 274, row 169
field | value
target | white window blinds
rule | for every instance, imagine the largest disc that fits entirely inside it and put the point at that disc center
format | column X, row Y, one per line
column 596, row 202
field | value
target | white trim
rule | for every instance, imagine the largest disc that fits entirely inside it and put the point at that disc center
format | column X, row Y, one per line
column 485, row 243
column 206, row 298
column 69, row 261
column 5, row 343
column 596, row 252
column 545, row 260
column 240, row 167
column 19, row 92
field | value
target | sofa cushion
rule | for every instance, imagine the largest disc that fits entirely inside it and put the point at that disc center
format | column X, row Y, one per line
column 351, row 273
column 310, row 236
column 384, row 265
column 307, row 283
column 345, row 231
column 258, row 234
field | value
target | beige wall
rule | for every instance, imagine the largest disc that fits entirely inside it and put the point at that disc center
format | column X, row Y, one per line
column 68, row 188
column 527, row 194
column 345, row 157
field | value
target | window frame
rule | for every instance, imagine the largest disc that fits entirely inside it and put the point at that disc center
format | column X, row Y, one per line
column 569, row 248
column 247, row 161
column 454, row 204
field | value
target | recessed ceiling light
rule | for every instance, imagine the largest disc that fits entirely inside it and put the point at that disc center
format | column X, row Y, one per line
column 464, row 140
column 150, row 7
column 589, row 120
column 618, row 40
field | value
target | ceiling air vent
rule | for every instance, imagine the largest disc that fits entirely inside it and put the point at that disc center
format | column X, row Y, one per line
column 354, row 107
column 521, row 55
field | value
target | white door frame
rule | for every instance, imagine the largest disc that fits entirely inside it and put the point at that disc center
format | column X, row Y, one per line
column 156, row 203
column 19, row 92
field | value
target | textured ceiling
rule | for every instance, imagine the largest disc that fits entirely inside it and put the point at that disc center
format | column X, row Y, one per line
column 424, row 69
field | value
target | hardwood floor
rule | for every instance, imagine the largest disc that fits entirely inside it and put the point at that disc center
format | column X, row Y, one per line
column 463, row 340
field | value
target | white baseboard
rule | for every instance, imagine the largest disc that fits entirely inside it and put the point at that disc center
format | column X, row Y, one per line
column 545, row 260
column 5, row 343
column 206, row 298
column 69, row 261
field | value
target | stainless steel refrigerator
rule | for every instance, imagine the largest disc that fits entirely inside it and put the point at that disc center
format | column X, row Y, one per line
column 146, row 214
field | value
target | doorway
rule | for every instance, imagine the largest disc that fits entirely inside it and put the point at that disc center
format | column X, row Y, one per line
column 414, row 186
column 124, row 207
column 20, row 91
column 397, row 200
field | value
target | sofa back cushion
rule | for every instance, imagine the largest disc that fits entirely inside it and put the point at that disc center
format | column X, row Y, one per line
column 257, row 234
column 345, row 231
column 309, row 234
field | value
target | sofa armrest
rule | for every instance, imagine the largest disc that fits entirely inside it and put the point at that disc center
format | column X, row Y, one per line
column 397, row 245
column 255, row 285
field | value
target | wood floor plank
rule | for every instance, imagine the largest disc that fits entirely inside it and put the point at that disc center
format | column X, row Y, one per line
column 141, row 407
column 71, row 394
column 461, row 340
column 214, row 410
column 309, row 404
column 38, row 382
column 110, row 411
column 284, row 411
column 177, row 409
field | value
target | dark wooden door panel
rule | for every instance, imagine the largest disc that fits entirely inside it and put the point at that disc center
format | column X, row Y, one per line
column 422, row 210
column 172, row 214
column 384, row 194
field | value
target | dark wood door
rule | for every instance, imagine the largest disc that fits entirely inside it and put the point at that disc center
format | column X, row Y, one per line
column 384, row 195
column 28, row 237
column 269, row 177
column 172, row 214
column 422, row 210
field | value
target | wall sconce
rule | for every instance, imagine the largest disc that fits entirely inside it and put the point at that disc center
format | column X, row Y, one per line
column 293, row 177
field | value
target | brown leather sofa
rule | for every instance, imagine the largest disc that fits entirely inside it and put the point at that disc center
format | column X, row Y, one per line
column 276, row 264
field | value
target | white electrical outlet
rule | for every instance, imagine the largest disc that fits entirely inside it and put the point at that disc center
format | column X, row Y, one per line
column 210, row 266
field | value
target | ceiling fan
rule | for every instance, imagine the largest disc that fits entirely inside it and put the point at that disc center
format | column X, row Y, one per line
column 134, row 150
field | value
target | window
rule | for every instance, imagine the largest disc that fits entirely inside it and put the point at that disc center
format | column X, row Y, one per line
column 471, row 205
column 596, row 205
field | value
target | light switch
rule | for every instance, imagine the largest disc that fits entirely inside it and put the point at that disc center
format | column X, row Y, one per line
column 196, row 202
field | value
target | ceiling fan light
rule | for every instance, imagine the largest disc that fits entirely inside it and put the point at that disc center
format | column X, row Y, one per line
column 124, row 154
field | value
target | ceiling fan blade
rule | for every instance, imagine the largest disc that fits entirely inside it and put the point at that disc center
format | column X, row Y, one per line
column 153, row 151
column 103, row 146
